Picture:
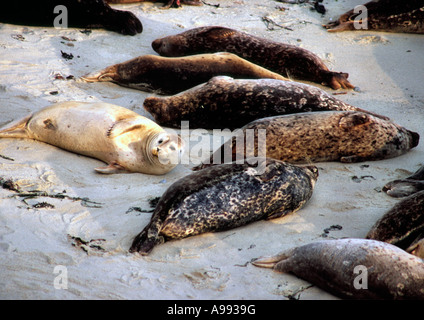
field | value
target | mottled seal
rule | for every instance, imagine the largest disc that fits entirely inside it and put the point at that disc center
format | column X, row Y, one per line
column 168, row 3
column 346, row 136
column 224, row 197
column 285, row 59
column 120, row 137
column 224, row 102
column 353, row 268
column 79, row 14
column 405, row 187
column 383, row 15
column 402, row 225
column 164, row 75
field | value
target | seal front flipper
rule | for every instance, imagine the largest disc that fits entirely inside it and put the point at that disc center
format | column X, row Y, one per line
column 111, row 168
column 125, row 126
column 336, row 80
column 16, row 129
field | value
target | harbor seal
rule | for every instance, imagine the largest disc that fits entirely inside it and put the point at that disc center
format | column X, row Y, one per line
column 224, row 102
column 405, row 187
column 345, row 136
column 287, row 60
column 126, row 141
column 402, row 225
column 168, row 3
column 164, row 75
column 78, row 13
column 383, row 15
column 353, row 268
column 225, row 197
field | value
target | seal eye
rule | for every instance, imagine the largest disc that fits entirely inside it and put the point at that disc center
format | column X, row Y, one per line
column 160, row 141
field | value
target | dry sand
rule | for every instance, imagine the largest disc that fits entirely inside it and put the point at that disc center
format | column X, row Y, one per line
column 388, row 69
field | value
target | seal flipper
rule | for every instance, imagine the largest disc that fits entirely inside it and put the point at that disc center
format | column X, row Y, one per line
column 124, row 126
column 16, row 129
column 144, row 242
column 111, row 168
column 272, row 261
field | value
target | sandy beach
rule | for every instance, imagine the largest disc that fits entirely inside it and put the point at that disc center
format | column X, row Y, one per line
column 84, row 222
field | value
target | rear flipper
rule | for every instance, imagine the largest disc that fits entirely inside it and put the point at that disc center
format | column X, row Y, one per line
column 403, row 188
column 336, row 80
column 16, row 129
column 144, row 242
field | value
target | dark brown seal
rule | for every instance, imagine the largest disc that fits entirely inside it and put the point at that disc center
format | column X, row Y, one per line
column 403, row 225
column 405, row 187
column 285, row 59
column 224, row 102
column 354, row 268
column 225, row 197
column 79, row 14
column 346, row 136
column 383, row 15
column 164, row 75
column 168, row 3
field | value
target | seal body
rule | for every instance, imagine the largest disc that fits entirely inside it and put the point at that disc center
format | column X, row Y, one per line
column 345, row 136
column 402, row 225
column 120, row 137
column 383, row 15
column 164, row 75
column 168, row 3
column 341, row 267
column 79, row 14
column 225, row 197
column 224, row 102
column 405, row 187
column 285, row 59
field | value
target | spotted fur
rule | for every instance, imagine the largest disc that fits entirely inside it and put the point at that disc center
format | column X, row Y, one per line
column 224, row 102
column 224, row 197
column 285, row 59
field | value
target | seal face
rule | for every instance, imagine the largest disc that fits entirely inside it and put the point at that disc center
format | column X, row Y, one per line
column 224, row 102
column 383, row 15
column 403, row 225
column 225, row 197
column 287, row 60
column 120, row 137
column 80, row 14
column 164, row 75
column 345, row 136
column 405, row 187
column 330, row 264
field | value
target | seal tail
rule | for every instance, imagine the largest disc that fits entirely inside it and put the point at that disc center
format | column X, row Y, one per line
column 16, row 129
column 144, row 242
column 105, row 75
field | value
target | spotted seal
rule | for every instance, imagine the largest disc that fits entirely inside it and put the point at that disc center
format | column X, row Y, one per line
column 168, row 3
column 345, row 136
column 405, row 187
column 120, row 137
column 383, row 15
column 353, row 268
column 225, row 197
column 224, row 102
column 402, row 225
column 164, row 75
column 79, row 14
column 285, row 59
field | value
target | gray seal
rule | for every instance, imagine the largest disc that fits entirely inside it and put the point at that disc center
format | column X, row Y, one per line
column 405, row 187
column 345, row 136
column 164, row 75
column 225, row 197
column 123, row 139
column 383, row 15
column 402, row 225
column 342, row 266
column 224, row 102
column 285, row 59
